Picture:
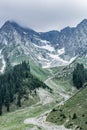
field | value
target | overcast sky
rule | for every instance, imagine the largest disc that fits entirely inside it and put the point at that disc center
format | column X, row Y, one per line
column 43, row 15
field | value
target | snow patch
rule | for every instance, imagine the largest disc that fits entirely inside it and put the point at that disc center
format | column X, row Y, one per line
column 72, row 59
column 44, row 41
column 57, row 61
column 3, row 62
column 46, row 47
column 5, row 42
column 14, row 63
column 24, row 32
column 41, row 58
column 48, row 65
column 61, row 51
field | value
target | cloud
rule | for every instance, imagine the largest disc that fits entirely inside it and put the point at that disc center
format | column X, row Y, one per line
column 43, row 15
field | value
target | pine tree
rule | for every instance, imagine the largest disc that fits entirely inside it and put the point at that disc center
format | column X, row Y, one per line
column 7, row 100
column 0, row 103
column 79, row 76
column 74, row 116
column 19, row 99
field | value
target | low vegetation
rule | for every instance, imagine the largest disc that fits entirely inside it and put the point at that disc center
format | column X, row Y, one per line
column 15, row 120
column 73, row 114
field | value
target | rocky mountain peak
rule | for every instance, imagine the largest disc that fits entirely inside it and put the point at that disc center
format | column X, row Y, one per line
column 82, row 24
column 7, row 26
column 48, row 49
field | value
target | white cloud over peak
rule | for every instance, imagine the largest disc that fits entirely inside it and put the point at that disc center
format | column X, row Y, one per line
column 43, row 15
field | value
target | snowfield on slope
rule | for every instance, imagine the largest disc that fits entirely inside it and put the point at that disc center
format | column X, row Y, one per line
column 61, row 51
column 57, row 61
column 46, row 47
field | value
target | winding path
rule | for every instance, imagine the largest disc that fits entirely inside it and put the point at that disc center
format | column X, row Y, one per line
column 40, row 120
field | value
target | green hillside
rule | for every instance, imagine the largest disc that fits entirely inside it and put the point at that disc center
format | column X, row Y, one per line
column 36, row 70
column 39, row 72
column 73, row 114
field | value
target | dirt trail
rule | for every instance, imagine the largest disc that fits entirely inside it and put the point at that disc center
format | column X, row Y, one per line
column 40, row 121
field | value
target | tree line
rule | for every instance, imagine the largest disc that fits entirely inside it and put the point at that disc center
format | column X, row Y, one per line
column 17, row 82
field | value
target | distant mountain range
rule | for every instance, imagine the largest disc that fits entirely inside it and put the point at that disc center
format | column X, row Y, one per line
column 47, row 49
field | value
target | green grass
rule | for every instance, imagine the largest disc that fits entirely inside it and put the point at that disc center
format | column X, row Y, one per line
column 39, row 72
column 82, row 60
column 24, row 103
column 56, row 69
column 19, row 59
column 75, row 105
column 35, row 69
column 65, row 84
column 15, row 120
column 59, row 115
column 62, row 79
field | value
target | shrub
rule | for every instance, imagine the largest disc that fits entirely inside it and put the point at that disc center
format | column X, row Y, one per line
column 74, row 116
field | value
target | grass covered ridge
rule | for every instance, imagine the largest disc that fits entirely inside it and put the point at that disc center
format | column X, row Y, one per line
column 73, row 114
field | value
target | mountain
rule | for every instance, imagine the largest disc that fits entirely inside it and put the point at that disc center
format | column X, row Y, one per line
column 51, row 36
column 72, row 39
column 48, row 49
column 47, row 53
